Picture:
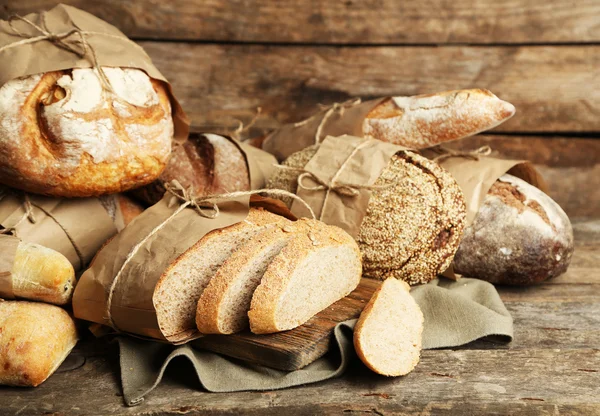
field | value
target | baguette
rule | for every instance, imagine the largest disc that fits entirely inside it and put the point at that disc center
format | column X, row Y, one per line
column 310, row 273
column 35, row 339
column 388, row 334
column 42, row 274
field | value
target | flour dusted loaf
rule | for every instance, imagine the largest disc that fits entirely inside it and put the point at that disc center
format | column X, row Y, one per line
column 388, row 334
column 314, row 270
column 63, row 134
column 422, row 121
column 208, row 163
column 177, row 292
column 35, row 338
column 42, row 274
column 520, row 236
column 414, row 219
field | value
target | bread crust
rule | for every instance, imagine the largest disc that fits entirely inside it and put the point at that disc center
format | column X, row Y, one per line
column 61, row 134
column 35, row 338
column 274, row 284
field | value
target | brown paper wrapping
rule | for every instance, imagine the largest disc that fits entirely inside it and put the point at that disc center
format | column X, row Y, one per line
column 132, row 309
column 110, row 45
column 8, row 248
column 77, row 228
column 475, row 176
column 260, row 164
column 343, row 161
column 294, row 137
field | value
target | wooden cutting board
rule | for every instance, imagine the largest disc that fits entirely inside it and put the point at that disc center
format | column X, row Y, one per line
column 294, row 349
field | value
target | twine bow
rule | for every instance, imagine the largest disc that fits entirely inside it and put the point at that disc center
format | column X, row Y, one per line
column 79, row 47
column 330, row 111
column 199, row 204
column 468, row 154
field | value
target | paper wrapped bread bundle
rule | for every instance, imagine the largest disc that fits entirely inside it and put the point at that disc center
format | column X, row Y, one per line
column 210, row 164
column 520, row 236
column 415, row 122
column 35, row 339
column 414, row 217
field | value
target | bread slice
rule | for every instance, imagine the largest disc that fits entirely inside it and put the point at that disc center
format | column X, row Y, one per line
column 387, row 336
column 177, row 292
column 313, row 271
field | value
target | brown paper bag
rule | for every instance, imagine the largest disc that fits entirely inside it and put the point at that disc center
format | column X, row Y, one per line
column 76, row 228
column 26, row 49
column 117, row 289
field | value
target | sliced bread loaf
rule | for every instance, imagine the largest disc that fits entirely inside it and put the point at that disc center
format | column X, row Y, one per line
column 176, row 294
column 387, row 336
column 314, row 270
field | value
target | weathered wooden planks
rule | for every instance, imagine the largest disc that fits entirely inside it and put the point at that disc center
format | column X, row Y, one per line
column 346, row 21
column 550, row 86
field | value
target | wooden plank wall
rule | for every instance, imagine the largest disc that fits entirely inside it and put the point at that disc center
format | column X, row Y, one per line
column 225, row 58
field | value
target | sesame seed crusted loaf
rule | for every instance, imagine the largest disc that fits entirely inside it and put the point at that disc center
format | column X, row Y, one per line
column 224, row 304
column 414, row 219
column 314, row 270
column 177, row 292
column 388, row 334
column 520, row 236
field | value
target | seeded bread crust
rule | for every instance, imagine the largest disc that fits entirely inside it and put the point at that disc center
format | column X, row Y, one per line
column 386, row 358
column 266, row 300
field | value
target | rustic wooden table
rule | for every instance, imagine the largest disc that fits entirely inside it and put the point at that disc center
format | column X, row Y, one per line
column 225, row 58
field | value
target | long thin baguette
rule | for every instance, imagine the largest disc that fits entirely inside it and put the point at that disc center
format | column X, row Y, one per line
column 35, row 338
column 310, row 273
column 387, row 336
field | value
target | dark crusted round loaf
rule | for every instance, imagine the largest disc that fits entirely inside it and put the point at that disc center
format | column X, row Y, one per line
column 519, row 237
column 412, row 228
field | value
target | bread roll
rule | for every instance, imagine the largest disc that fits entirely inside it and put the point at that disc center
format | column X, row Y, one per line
column 35, row 339
column 62, row 134
column 412, row 227
column 520, row 236
column 388, row 334
column 208, row 163
column 42, row 274
column 309, row 274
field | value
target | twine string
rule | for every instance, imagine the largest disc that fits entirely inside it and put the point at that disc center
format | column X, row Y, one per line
column 237, row 133
column 62, row 40
column 27, row 214
column 468, row 154
column 187, row 199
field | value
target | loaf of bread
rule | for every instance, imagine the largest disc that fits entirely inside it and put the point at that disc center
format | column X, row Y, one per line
column 414, row 219
column 520, row 236
column 35, row 339
column 42, row 274
column 314, row 270
column 177, row 293
column 63, row 134
column 388, row 334
column 208, row 163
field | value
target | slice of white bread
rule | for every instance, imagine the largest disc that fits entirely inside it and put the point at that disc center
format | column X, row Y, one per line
column 177, row 292
column 387, row 336
column 314, row 270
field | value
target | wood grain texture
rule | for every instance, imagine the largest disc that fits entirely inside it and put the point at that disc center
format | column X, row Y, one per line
column 345, row 21
column 550, row 85
column 294, row 349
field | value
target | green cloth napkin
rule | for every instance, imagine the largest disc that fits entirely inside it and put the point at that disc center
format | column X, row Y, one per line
column 456, row 313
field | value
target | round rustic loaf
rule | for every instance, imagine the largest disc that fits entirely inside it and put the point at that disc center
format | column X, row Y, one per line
column 413, row 223
column 208, row 163
column 520, row 236
column 63, row 134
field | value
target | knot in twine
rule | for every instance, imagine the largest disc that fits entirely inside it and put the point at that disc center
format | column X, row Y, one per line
column 27, row 214
column 79, row 47
column 329, row 111
column 468, row 154
column 187, row 199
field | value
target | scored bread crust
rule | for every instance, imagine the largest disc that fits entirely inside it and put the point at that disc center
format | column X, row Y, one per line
column 35, row 338
column 362, row 345
column 257, row 217
column 422, row 121
column 62, row 134
column 274, row 284
column 211, row 303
